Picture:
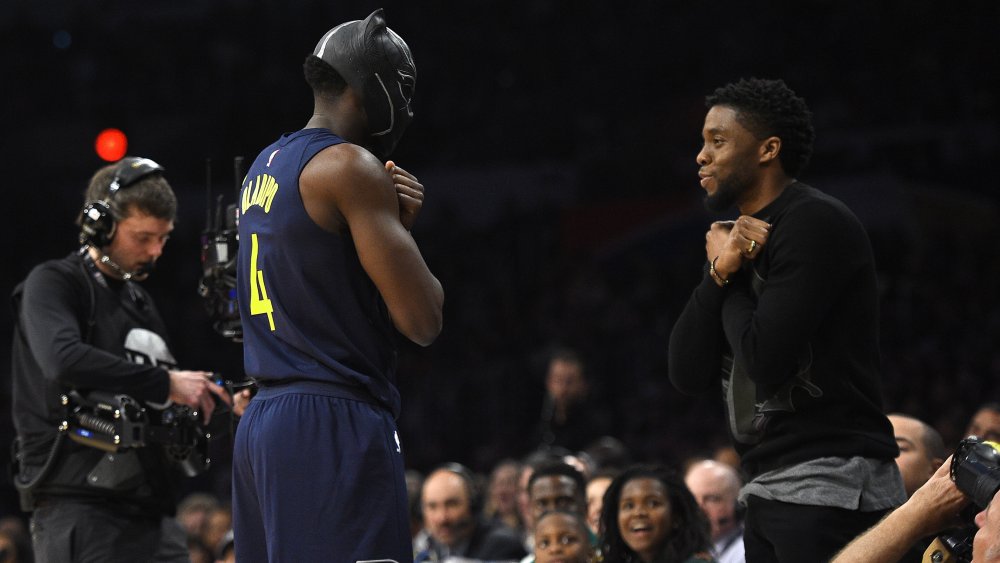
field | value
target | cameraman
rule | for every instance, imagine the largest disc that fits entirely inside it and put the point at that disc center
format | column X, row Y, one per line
column 83, row 324
column 933, row 508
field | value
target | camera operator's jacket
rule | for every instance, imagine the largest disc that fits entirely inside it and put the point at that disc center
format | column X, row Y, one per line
column 78, row 330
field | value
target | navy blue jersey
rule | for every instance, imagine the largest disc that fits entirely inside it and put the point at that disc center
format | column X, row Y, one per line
column 309, row 309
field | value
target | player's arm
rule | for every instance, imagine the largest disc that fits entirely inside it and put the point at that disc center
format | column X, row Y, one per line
column 356, row 187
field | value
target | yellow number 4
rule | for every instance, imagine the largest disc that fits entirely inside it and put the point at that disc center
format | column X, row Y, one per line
column 260, row 304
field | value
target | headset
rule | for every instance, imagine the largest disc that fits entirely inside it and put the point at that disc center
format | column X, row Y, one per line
column 97, row 222
column 472, row 485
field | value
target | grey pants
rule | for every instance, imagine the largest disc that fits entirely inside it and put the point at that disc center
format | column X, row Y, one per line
column 76, row 532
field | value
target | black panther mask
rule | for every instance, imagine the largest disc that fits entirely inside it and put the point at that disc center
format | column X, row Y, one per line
column 377, row 63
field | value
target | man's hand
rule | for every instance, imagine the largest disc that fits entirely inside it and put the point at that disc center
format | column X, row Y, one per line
column 934, row 507
column 938, row 501
column 409, row 192
column 195, row 389
column 733, row 242
column 241, row 399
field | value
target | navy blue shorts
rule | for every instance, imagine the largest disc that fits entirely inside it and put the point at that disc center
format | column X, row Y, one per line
column 318, row 477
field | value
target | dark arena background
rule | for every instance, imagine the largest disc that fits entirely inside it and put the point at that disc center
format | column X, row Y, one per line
column 557, row 144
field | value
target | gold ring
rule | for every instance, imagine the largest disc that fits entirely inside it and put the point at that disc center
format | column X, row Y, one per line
column 753, row 246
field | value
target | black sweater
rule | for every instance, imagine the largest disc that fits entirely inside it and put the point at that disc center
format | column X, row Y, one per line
column 72, row 332
column 801, row 322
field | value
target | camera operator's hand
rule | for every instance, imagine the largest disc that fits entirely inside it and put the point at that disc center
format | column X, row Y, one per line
column 240, row 401
column 195, row 389
column 934, row 507
column 938, row 502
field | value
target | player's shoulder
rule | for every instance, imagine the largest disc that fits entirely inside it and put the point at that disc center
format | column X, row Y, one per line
column 343, row 164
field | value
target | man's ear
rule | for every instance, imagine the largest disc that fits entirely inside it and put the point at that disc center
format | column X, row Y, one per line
column 770, row 148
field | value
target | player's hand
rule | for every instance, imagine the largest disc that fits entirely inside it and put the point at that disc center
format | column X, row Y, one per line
column 195, row 389
column 240, row 401
column 409, row 192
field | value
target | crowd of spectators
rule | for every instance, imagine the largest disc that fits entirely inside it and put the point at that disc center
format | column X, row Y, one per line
column 599, row 504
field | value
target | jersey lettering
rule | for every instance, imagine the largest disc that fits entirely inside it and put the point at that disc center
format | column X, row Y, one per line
column 260, row 303
column 260, row 192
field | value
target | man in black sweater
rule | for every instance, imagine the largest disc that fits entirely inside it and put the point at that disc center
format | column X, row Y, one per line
column 787, row 316
column 84, row 325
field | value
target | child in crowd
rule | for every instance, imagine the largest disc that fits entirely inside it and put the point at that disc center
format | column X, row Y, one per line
column 649, row 516
column 561, row 537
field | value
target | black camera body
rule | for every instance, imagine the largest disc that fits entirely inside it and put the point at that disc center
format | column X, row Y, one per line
column 975, row 469
column 219, row 246
column 116, row 422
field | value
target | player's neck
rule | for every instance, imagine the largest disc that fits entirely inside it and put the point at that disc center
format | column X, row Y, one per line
column 322, row 121
column 342, row 115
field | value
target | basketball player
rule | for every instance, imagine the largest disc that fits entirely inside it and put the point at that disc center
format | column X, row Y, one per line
column 329, row 280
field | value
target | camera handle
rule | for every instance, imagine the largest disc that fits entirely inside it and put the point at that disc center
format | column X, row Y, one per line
column 952, row 548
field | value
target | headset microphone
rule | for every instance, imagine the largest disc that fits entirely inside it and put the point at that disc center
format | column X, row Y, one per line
column 144, row 269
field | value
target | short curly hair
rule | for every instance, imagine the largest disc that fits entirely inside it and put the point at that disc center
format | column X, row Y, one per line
column 770, row 108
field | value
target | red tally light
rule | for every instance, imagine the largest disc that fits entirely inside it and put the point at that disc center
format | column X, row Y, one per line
column 111, row 145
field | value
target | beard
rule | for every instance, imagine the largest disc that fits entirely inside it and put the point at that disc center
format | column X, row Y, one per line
column 459, row 530
column 729, row 192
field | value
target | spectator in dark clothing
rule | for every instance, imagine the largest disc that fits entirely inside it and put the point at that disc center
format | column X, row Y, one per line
column 557, row 486
column 786, row 317
column 985, row 424
column 569, row 420
column 921, row 450
column 451, row 503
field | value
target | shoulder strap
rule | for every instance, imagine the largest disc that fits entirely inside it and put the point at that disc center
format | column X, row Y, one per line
column 90, row 270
